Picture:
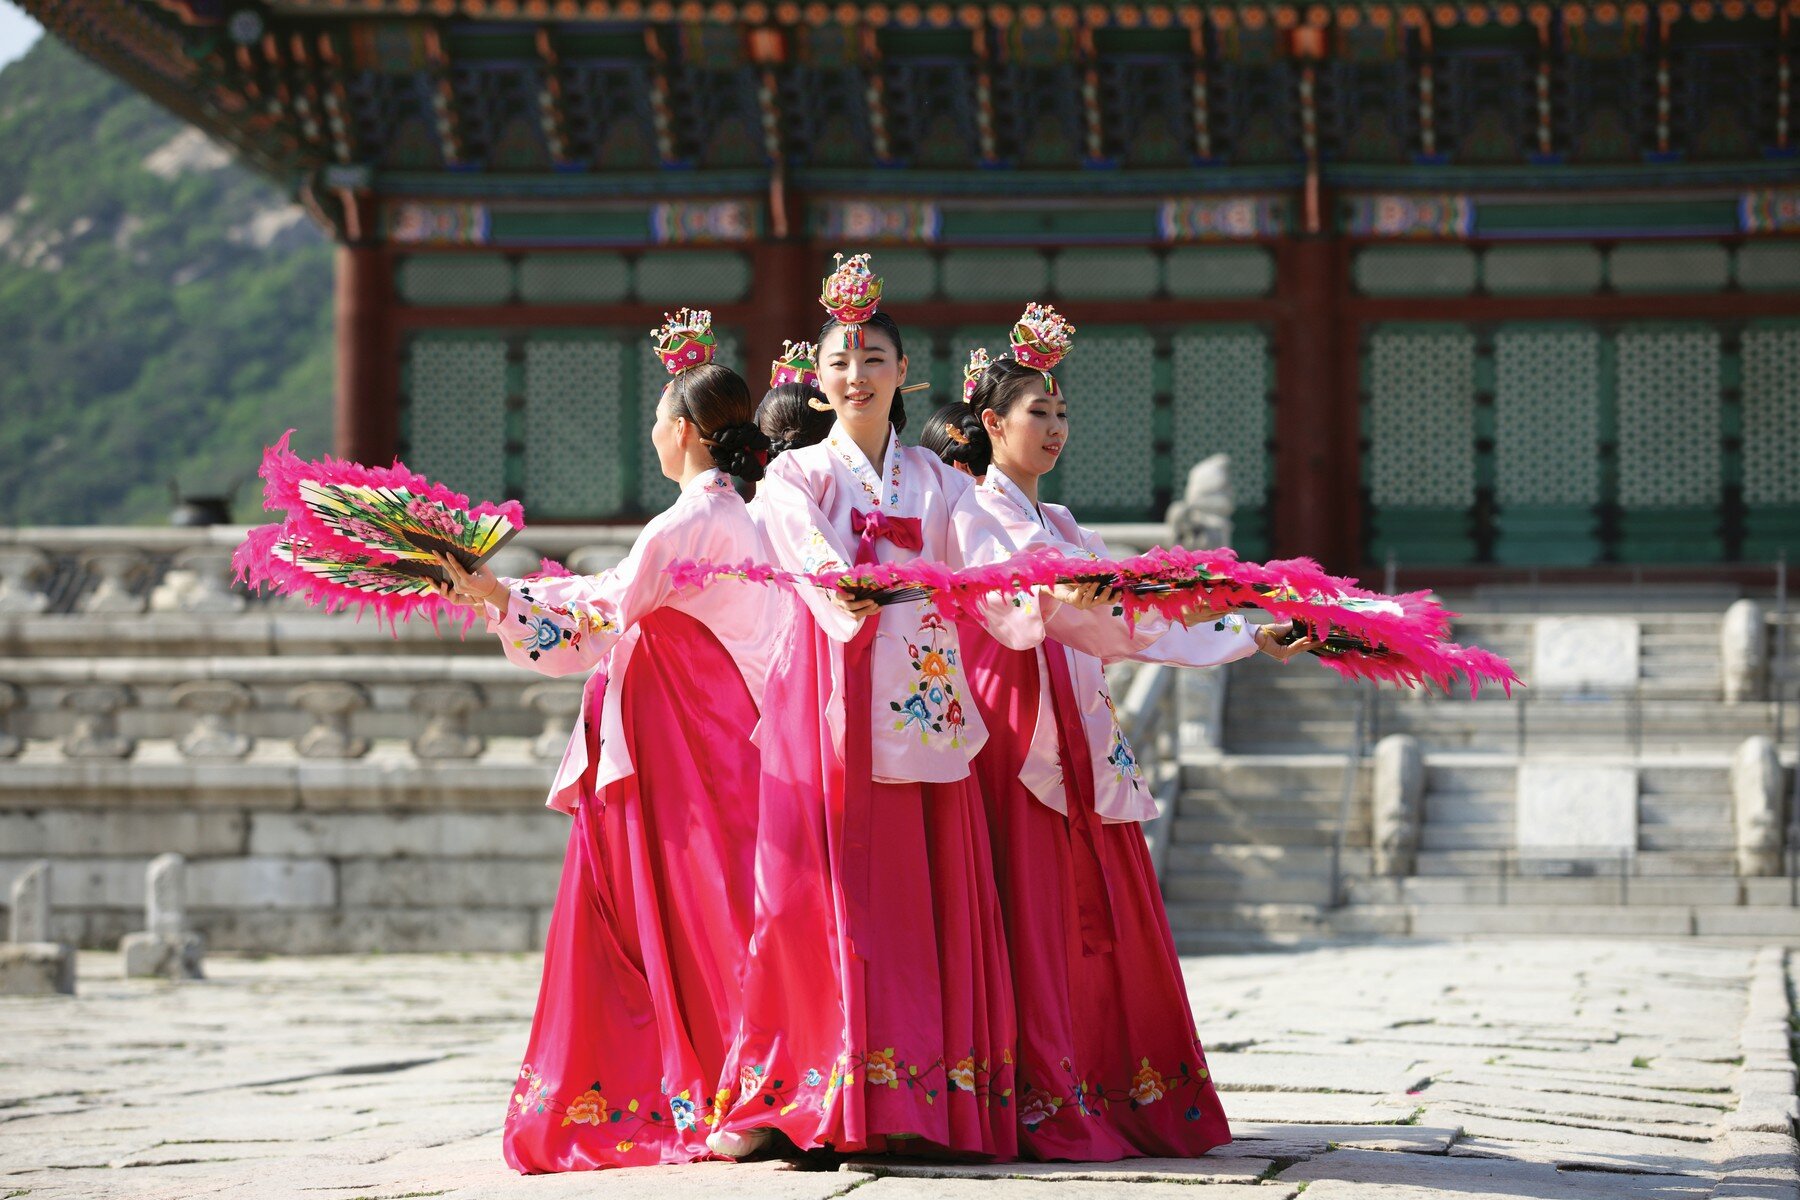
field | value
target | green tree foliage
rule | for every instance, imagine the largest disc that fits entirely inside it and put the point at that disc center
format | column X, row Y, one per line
column 155, row 324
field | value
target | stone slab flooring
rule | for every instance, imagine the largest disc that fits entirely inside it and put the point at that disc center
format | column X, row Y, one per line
column 1530, row 1069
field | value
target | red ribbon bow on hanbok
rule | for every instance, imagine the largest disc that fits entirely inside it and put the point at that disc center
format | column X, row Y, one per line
column 859, row 770
column 874, row 526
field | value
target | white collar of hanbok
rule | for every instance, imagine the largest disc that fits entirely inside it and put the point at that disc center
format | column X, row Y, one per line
column 714, row 480
column 998, row 481
column 850, row 454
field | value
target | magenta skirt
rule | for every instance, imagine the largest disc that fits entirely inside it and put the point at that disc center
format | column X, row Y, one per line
column 639, row 1000
column 897, row 1035
column 1109, row 1063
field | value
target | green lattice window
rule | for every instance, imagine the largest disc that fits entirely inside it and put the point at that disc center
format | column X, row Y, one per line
column 573, row 404
column 1771, row 440
column 1420, row 467
column 456, row 412
column 1109, row 469
column 1547, row 479
column 1223, row 381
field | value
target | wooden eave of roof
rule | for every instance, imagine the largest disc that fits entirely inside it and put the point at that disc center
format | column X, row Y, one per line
column 1113, row 14
column 124, row 39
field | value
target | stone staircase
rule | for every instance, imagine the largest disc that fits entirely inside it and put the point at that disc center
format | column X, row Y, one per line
column 1249, row 856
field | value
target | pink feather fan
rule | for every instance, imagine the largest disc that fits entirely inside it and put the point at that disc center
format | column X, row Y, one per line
column 364, row 537
column 1402, row 639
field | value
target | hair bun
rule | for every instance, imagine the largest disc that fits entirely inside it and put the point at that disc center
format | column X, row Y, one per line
column 741, row 450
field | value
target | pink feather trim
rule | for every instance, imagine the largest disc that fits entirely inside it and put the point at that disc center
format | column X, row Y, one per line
column 283, row 472
column 1411, row 629
column 260, row 563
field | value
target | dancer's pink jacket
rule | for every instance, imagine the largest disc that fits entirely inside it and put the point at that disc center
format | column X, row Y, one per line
column 1092, row 638
column 559, row 626
column 923, row 727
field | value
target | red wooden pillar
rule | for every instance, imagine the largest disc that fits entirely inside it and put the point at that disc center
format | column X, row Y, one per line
column 367, row 410
column 786, row 288
column 1317, row 504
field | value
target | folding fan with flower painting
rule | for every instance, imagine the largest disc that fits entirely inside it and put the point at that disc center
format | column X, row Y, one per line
column 366, row 536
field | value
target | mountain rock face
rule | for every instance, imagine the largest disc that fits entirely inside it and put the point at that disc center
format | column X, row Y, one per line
column 164, row 312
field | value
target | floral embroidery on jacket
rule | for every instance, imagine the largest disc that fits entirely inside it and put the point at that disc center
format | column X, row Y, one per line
column 933, row 706
column 1124, row 761
column 544, row 633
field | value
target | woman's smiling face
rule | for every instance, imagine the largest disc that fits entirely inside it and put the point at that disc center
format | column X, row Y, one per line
column 860, row 380
column 1032, row 435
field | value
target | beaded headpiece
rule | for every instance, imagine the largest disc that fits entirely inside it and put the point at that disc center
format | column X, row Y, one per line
column 851, row 295
column 798, row 363
column 978, row 362
column 1040, row 339
column 685, row 339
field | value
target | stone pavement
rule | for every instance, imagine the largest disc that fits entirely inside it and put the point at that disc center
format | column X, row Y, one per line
column 1489, row 1069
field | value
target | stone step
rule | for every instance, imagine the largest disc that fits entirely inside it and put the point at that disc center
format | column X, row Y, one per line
column 1190, row 830
column 1645, row 863
column 1185, row 887
column 1264, row 862
column 1247, row 775
column 1301, row 806
column 1686, row 810
column 1468, row 835
column 1714, row 836
column 1466, row 920
column 1500, row 835
column 1200, row 928
column 1592, row 890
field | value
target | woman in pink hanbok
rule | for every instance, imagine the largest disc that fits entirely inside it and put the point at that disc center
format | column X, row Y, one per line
column 1109, row 1065
column 639, row 999
column 878, row 1008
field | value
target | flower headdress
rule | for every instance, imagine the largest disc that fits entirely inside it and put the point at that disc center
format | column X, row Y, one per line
column 685, row 339
column 798, row 363
column 1040, row 339
column 851, row 295
column 978, row 362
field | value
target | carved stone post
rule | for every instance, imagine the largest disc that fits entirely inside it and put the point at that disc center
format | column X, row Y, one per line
column 30, row 963
column 1756, row 806
column 11, row 698
column 1399, row 792
column 560, row 702
column 120, row 568
column 330, row 703
column 165, row 948
column 447, row 706
column 216, row 701
column 96, row 733
column 30, row 912
column 23, row 571
column 1743, row 651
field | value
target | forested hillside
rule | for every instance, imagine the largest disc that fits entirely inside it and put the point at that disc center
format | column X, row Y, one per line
column 163, row 311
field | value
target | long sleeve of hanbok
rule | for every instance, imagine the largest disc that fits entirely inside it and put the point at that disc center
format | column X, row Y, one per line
column 799, row 536
column 1102, row 631
column 1016, row 622
column 568, row 624
column 1209, row 644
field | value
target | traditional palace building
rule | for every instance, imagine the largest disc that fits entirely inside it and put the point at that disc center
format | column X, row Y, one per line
column 1466, row 283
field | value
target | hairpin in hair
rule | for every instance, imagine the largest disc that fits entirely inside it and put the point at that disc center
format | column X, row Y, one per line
column 851, row 294
column 685, row 339
column 956, row 435
column 978, row 362
column 1040, row 339
column 798, row 363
